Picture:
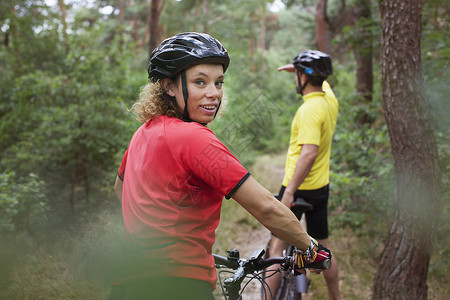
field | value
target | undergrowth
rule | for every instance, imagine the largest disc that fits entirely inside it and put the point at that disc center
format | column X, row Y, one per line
column 79, row 262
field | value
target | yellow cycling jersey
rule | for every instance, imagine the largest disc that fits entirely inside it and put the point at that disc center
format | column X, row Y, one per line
column 313, row 123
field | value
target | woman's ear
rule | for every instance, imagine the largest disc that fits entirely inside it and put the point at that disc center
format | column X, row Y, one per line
column 169, row 86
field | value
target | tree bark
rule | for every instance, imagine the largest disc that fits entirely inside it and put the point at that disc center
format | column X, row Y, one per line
column 262, row 41
column 205, row 11
column 121, row 24
column 155, row 30
column 15, row 41
column 252, row 55
column 62, row 7
column 363, row 52
column 402, row 272
column 322, row 34
column 146, row 33
column 196, row 14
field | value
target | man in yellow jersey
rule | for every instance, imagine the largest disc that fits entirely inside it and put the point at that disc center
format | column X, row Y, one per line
column 308, row 156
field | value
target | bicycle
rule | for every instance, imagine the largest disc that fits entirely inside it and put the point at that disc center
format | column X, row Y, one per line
column 292, row 287
column 250, row 268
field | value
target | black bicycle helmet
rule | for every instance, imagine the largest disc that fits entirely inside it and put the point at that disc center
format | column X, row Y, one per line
column 184, row 50
column 314, row 63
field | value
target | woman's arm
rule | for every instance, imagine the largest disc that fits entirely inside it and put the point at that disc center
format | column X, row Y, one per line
column 118, row 188
column 270, row 212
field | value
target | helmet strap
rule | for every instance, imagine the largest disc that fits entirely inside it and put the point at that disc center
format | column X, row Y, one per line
column 218, row 106
column 301, row 86
column 304, row 85
column 185, row 96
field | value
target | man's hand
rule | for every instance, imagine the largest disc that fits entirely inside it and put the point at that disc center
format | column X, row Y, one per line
column 288, row 68
column 287, row 199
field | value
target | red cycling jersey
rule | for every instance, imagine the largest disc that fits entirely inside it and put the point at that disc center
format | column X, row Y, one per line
column 175, row 175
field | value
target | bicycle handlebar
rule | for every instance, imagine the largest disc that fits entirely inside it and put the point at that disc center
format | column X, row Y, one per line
column 255, row 263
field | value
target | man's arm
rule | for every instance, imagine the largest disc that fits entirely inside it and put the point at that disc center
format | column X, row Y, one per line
column 118, row 186
column 288, row 68
column 270, row 212
column 304, row 164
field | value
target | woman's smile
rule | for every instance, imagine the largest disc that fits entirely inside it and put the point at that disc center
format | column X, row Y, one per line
column 209, row 109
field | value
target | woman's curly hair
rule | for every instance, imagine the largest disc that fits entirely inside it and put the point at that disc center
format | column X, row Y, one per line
column 154, row 101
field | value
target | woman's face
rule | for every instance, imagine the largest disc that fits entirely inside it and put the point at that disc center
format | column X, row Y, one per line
column 204, row 83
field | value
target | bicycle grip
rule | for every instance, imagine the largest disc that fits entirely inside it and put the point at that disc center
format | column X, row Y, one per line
column 322, row 265
column 220, row 260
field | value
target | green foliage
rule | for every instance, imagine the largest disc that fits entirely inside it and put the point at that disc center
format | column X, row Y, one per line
column 67, row 122
column 261, row 100
column 67, row 129
column 436, row 69
column 291, row 40
column 23, row 205
column 72, row 264
column 64, row 121
column 364, row 34
column 257, row 117
column 362, row 179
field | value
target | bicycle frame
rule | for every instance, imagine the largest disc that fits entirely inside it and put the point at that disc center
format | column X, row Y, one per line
column 292, row 287
column 231, row 286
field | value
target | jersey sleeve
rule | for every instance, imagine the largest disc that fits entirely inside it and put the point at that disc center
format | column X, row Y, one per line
column 310, row 123
column 201, row 153
column 123, row 165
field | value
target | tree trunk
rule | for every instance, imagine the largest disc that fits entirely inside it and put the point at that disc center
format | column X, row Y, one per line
column 205, row 11
column 196, row 14
column 252, row 55
column 363, row 52
column 155, row 31
column 15, row 42
column 62, row 7
column 262, row 41
column 121, row 24
column 6, row 40
column 135, row 23
column 146, row 33
column 402, row 272
column 322, row 34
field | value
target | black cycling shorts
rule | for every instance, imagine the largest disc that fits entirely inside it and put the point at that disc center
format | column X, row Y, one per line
column 317, row 218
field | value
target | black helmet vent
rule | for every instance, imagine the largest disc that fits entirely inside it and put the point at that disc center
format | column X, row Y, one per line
column 184, row 50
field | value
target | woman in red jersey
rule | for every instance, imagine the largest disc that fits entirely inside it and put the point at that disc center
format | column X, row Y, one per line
column 175, row 174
